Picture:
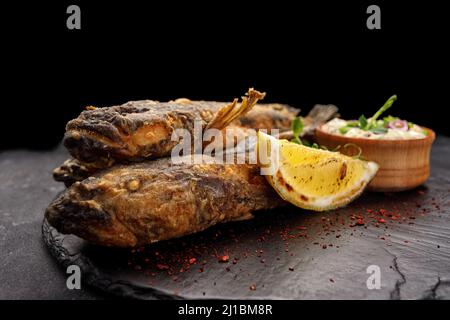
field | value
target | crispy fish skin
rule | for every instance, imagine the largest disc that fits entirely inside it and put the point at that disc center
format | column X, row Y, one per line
column 140, row 130
column 72, row 171
column 269, row 116
column 140, row 203
column 137, row 204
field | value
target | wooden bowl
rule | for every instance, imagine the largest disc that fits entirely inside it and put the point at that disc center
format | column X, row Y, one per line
column 404, row 164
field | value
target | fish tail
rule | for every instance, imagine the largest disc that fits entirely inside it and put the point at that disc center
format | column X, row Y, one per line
column 320, row 114
column 227, row 114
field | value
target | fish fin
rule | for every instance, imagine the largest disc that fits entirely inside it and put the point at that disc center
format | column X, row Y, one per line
column 71, row 171
column 318, row 115
column 225, row 115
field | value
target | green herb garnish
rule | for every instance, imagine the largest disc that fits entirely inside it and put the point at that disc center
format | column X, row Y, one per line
column 356, row 156
column 372, row 124
column 388, row 119
column 372, row 120
column 379, row 130
column 344, row 129
column 363, row 123
column 297, row 129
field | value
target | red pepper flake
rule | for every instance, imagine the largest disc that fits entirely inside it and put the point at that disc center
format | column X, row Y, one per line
column 331, row 280
column 253, row 287
column 381, row 220
column 382, row 211
column 359, row 222
column 200, row 270
column 224, row 258
column 192, row 260
column 301, row 228
column 162, row 266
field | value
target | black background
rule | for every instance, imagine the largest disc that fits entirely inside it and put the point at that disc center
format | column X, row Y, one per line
column 301, row 54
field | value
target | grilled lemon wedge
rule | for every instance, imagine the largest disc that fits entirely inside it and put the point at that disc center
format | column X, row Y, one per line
column 311, row 178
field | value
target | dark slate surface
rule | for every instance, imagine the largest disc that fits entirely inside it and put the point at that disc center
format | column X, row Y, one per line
column 286, row 253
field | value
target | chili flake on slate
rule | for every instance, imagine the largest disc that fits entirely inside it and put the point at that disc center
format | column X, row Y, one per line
column 224, row 258
column 162, row 266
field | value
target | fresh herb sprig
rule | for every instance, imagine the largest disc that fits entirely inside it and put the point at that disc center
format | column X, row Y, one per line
column 387, row 105
column 372, row 124
column 297, row 130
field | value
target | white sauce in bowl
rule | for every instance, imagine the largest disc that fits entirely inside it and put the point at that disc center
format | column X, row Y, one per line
column 333, row 126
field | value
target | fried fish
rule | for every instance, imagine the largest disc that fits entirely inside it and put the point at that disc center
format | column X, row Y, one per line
column 140, row 203
column 265, row 116
column 140, row 130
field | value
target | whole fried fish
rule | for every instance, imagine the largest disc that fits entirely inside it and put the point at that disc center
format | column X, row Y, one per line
column 265, row 116
column 140, row 203
column 140, row 130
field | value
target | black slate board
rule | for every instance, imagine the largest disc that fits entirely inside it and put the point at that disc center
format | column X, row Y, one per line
column 27, row 270
column 291, row 253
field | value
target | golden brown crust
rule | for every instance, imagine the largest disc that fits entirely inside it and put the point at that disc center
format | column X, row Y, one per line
column 156, row 200
column 262, row 116
column 141, row 130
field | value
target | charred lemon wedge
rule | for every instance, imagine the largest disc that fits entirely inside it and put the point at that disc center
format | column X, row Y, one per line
column 309, row 178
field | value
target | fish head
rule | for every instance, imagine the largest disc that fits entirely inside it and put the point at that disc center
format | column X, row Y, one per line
column 77, row 211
